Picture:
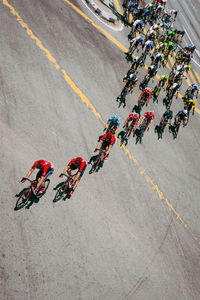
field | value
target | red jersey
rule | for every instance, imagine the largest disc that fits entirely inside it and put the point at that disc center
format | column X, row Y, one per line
column 111, row 142
column 74, row 167
column 42, row 165
column 134, row 118
column 150, row 117
column 148, row 92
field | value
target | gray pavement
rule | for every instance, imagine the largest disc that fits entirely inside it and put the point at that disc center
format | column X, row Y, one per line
column 115, row 238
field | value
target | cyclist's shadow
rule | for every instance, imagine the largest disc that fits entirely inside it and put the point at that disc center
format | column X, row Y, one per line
column 172, row 129
column 19, row 205
column 94, row 167
column 139, row 135
column 121, row 137
column 159, row 131
column 136, row 108
column 122, row 101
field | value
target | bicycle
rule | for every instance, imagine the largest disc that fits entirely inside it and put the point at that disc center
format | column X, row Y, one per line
column 98, row 163
column 156, row 93
column 64, row 188
column 27, row 194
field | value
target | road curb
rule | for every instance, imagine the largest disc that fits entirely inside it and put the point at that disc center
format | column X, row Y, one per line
column 102, row 13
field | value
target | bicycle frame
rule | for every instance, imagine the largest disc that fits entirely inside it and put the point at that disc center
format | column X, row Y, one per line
column 101, row 156
column 69, row 181
column 32, row 185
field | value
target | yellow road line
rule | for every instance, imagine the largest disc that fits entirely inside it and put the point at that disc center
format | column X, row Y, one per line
column 192, row 76
column 86, row 101
column 197, row 76
column 171, row 60
column 118, row 7
column 187, row 78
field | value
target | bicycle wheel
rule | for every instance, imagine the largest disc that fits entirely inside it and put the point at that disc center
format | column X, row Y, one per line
column 23, row 199
column 60, row 193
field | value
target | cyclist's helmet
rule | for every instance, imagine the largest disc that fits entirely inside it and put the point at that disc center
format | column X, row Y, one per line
column 78, row 161
column 135, row 116
column 109, row 136
column 164, row 77
column 147, row 90
column 185, row 111
column 116, row 118
column 150, row 114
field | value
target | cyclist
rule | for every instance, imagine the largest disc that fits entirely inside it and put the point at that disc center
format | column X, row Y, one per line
column 157, row 59
column 131, row 6
column 76, row 163
column 152, row 70
column 160, row 47
column 137, row 26
column 192, row 89
column 190, row 49
column 146, row 94
column 138, row 62
column 131, row 122
column 45, row 170
column 114, row 123
column 163, row 81
column 174, row 12
column 106, row 143
column 148, row 118
column 135, row 43
column 174, row 89
column 131, row 81
column 167, row 116
column 151, row 73
column 181, row 116
column 190, row 104
column 148, row 46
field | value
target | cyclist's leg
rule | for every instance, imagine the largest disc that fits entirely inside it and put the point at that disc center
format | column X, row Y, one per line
column 42, row 185
column 79, row 178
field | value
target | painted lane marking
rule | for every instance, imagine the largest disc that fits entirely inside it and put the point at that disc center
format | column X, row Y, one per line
column 197, row 76
column 86, row 101
column 192, row 76
column 118, row 7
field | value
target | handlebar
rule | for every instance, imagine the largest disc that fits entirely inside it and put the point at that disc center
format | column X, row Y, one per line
column 24, row 178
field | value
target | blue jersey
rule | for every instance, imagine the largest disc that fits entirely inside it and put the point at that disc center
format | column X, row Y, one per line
column 114, row 121
column 168, row 114
column 182, row 115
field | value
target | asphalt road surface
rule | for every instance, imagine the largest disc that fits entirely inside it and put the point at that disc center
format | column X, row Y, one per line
column 130, row 231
